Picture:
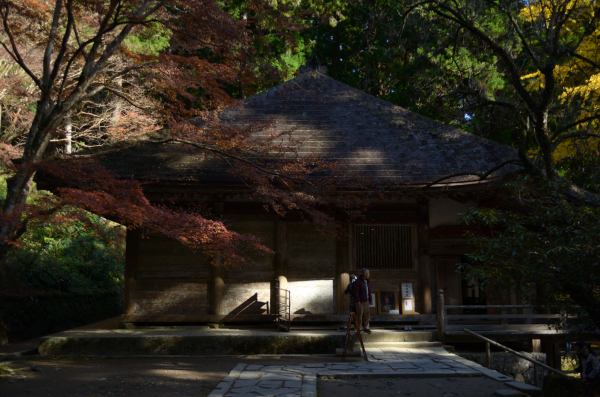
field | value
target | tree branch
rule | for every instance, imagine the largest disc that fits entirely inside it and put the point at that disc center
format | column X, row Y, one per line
column 126, row 97
column 481, row 177
column 575, row 124
column 15, row 54
column 563, row 138
column 515, row 76
column 518, row 30
column 241, row 160
column 46, row 74
column 582, row 58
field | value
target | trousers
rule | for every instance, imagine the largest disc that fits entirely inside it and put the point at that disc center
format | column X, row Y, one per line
column 364, row 316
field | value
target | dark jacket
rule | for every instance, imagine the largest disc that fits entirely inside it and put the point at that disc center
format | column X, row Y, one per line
column 347, row 291
column 360, row 291
column 589, row 366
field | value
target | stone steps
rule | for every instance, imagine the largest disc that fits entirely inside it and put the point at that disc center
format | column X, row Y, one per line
column 395, row 339
column 356, row 351
column 378, row 336
column 404, row 345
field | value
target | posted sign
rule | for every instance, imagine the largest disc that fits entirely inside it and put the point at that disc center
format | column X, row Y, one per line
column 408, row 299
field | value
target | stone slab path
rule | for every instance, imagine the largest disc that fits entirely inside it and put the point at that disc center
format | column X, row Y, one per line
column 301, row 380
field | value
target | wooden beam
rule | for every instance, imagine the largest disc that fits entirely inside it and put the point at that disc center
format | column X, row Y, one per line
column 254, row 275
column 268, row 318
column 500, row 316
column 197, row 318
column 175, row 273
column 131, row 269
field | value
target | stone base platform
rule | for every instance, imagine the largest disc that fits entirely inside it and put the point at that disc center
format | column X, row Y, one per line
column 201, row 340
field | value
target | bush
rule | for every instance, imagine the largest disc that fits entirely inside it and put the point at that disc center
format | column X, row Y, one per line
column 559, row 386
column 68, row 257
column 43, row 313
column 76, row 251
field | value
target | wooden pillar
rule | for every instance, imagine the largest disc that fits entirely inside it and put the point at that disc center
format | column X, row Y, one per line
column 218, row 289
column 441, row 317
column 551, row 347
column 342, row 269
column 279, row 263
column 132, row 240
column 425, row 279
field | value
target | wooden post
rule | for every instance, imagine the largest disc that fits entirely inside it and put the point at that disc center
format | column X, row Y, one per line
column 424, row 269
column 441, row 317
column 279, row 263
column 488, row 355
column 343, row 278
column 551, row 347
column 218, row 289
column 132, row 241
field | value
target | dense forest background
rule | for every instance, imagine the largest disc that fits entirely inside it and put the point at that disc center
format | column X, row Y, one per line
column 524, row 73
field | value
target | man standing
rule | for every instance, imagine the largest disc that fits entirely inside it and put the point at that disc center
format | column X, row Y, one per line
column 362, row 296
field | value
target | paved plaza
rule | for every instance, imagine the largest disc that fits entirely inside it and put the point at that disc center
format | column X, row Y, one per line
column 301, row 380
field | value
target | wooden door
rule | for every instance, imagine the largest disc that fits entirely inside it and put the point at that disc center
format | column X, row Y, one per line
column 449, row 279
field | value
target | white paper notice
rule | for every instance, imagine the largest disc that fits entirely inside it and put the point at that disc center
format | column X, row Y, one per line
column 408, row 305
column 407, row 291
column 373, row 300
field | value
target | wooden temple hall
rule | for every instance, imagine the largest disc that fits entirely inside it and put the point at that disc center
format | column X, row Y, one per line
column 411, row 242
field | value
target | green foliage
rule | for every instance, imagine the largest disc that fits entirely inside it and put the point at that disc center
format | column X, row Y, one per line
column 548, row 247
column 69, row 257
column 69, row 254
column 423, row 63
column 583, row 169
column 151, row 40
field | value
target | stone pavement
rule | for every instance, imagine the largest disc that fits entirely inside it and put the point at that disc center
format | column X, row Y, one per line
column 301, row 380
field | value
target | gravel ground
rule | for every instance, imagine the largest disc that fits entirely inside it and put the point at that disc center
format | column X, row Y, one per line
column 152, row 377
column 138, row 377
column 423, row 387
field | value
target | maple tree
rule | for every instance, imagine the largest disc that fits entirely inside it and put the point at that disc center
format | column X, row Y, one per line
column 534, row 80
column 84, row 54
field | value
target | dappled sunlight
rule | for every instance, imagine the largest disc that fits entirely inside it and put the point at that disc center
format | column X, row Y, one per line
column 312, row 296
column 138, row 377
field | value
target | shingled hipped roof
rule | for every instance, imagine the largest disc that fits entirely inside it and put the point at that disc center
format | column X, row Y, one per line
column 338, row 122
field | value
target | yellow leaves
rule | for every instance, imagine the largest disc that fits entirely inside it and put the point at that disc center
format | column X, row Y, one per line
column 545, row 10
column 584, row 91
column 537, row 81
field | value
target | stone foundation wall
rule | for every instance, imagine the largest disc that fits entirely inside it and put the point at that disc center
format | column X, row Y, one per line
column 511, row 365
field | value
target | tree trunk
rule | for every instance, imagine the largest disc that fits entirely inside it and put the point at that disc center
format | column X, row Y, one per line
column 68, row 133
column 18, row 188
column 118, row 104
column 19, row 185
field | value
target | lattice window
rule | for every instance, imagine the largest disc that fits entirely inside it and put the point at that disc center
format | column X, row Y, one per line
column 383, row 246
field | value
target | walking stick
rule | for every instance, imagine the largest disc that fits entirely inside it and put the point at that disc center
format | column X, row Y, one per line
column 352, row 319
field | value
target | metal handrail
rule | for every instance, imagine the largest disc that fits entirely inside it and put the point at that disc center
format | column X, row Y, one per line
column 516, row 353
column 284, row 301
